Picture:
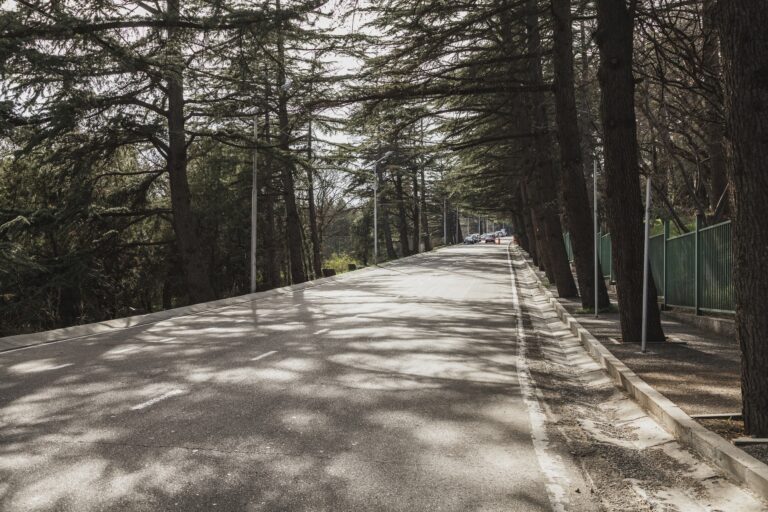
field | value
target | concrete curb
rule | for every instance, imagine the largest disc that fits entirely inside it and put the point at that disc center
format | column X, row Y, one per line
column 20, row 341
column 735, row 463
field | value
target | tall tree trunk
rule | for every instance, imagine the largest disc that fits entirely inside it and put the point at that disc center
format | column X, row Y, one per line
column 538, row 231
column 293, row 229
column 317, row 263
column 744, row 42
column 402, row 224
column 622, row 174
column 390, row 245
column 573, row 189
column 424, row 221
column 271, row 264
column 530, row 232
column 185, row 223
column 543, row 183
column 519, row 231
column 416, row 213
column 714, row 126
column 384, row 221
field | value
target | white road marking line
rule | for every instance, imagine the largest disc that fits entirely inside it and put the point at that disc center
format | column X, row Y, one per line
column 550, row 463
column 266, row 354
column 153, row 401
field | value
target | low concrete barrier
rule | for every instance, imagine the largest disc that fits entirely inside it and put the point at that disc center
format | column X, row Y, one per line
column 722, row 326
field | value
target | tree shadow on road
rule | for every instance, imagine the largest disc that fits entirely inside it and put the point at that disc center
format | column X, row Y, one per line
column 379, row 391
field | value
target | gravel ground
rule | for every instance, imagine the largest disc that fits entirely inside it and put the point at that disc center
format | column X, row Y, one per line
column 697, row 369
column 630, row 461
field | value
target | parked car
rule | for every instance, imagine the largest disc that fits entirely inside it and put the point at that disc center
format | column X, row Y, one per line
column 475, row 237
column 470, row 240
column 489, row 238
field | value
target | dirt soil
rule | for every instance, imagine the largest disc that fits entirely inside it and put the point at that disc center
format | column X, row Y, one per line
column 697, row 369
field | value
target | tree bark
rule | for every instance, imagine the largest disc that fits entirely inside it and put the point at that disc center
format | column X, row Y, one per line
column 387, row 227
column 744, row 43
column 185, row 223
column 573, row 189
column 622, row 175
column 416, row 213
column 543, row 188
column 530, row 231
column 293, row 230
column 402, row 220
column 424, row 221
column 390, row 244
column 714, row 127
column 317, row 263
column 271, row 264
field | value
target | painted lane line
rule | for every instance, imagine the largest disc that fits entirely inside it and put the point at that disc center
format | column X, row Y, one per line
column 266, row 354
column 550, row 464
column 153, row 401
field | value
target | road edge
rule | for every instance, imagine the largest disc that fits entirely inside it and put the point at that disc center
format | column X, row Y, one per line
column 23, row 341
column 737, row 465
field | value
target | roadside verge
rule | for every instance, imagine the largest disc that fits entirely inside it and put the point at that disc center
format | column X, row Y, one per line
column 735, row 463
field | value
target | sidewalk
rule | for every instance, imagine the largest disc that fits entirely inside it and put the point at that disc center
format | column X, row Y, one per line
column 696, row 369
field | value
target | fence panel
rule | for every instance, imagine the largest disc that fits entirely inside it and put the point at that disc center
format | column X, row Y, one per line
column 568, row 246
column 681, row 271
column 715, row 264
column 606, row 261
column 656, row 255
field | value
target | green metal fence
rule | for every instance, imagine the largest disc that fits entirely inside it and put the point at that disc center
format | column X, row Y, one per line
column 606, row 265
column 606, row 258
column 692, row 270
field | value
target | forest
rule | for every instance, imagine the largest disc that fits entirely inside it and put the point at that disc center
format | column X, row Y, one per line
column 136, row 136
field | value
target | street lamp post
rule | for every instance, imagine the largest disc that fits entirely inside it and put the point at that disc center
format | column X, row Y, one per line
column 644, row 331
column 597, row 238
column 445, row 221
column 254, row 204
column 376, row 214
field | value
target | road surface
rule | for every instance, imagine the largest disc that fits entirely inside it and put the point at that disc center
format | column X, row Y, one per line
column 416, row 386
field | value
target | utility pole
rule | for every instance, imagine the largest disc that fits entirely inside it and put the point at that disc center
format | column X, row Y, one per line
column 597, row 237
column 376, row 213
column 645, row 260
column 445, row 221
column 254, row 203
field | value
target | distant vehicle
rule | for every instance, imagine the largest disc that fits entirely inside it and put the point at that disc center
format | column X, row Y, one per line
column 470, row 240
column 475, row 237
column 488, row 238
column 499, row 234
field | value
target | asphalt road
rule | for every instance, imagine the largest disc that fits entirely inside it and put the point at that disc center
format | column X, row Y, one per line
column 392, row 389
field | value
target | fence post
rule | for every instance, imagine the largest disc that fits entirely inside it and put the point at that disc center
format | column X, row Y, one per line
column 664, row 263
column 696, row 266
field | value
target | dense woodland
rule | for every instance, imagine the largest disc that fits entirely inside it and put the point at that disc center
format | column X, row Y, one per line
column 131, row 133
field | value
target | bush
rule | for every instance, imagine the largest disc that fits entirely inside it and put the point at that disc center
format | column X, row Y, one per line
column 340, row 262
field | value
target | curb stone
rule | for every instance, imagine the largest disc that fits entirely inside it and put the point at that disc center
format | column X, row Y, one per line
column 20, row 341
column 738, row 465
